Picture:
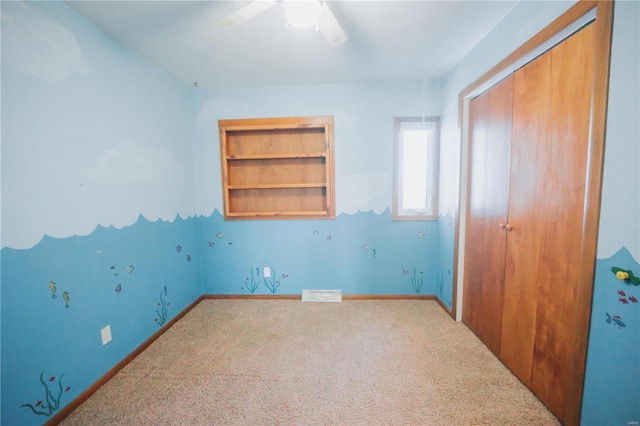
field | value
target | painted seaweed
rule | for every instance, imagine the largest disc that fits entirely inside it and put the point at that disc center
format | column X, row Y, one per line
column 417, row 281
column 51, row 402
column 162, row 311
column 252, row 285
column 440, row 282
column 272, row 284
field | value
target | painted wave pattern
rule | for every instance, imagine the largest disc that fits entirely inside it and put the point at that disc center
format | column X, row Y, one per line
column 613, row 362
column 121, row 277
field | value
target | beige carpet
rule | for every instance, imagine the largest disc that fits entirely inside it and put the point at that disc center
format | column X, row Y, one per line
column 287, row 362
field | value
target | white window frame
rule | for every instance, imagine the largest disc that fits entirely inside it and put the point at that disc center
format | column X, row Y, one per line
column 431, row 164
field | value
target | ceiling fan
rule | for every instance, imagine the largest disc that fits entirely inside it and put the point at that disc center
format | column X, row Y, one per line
column 298, row 13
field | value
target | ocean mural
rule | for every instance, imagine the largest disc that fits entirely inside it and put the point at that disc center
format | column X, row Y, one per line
column 97, row 280
column 446, row 243
column 50, row 402
column 106, row 276
column 303, row 250
column 614, row 345
column 417, row 280
column 162, row 310
column 99, row 216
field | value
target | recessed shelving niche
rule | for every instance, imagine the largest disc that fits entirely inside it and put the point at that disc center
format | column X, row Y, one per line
column 278, row 168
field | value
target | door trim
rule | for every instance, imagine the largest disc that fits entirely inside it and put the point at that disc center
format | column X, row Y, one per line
column 583, row 12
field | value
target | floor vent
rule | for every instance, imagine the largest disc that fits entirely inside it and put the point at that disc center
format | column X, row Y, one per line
column 322, row 295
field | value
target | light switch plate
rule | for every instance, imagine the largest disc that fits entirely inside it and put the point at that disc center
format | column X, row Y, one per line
column 106, row 334
column 267, row 272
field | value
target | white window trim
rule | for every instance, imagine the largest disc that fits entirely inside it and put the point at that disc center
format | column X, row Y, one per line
column 401, row 124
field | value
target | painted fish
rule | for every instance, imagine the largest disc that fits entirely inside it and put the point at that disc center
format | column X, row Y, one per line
column 616, row 319
column 633, row 299
column 315, row 232
column 118, row 288
column 52, row 286
column 626, row 275
column 130, row 268
column 219, row 235
column 228, row 243
column 623, row 300
column 420, row 235
column 329, row 237
column 188, row 258
column 178, row 248
column 65, row 296
column 211, row 244
column 374, row 252
column 621, row 293
column 366, row 246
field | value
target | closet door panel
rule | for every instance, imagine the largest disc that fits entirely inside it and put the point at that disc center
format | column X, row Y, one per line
column 564, row 184
column 485, row 244
column 529, row 155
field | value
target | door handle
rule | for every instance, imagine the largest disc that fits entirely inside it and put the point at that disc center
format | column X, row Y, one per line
column 507, row 226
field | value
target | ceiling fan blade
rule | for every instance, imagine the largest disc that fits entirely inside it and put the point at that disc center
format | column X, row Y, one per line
column 247, row 12
column 330, row 27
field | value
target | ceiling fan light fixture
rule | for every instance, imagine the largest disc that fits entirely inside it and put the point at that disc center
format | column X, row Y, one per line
column 302, row 13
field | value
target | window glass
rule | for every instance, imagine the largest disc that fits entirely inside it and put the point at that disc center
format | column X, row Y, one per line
column 415, row 174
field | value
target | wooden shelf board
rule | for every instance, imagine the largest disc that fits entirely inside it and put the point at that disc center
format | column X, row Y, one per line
column 278, row 186
column 280, row 213
column 276, row 156
column 276, row 123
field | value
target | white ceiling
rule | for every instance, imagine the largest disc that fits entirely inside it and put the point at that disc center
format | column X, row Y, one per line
column 388, row 40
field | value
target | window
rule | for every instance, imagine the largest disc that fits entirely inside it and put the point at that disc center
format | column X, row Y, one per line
column 415, row 192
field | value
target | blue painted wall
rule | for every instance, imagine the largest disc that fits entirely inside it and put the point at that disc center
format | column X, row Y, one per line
column 612, row 382
column 97, row 193
column 364, row 253
column 101, row 151
column 57, row 296
column 102, row 223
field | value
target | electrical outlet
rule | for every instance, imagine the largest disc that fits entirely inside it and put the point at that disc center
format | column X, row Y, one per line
column 106, row 334
column 267, row 272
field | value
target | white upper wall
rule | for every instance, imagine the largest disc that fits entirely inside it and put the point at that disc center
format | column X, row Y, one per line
column 363, row 116
column 620, row 208
column 91, row 132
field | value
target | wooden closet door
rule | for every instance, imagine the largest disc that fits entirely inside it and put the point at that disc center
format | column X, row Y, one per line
column 529, row 160
column 546, row 208
column 485, row 244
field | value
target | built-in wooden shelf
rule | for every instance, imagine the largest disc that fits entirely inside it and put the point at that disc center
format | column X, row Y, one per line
column 278, row 168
